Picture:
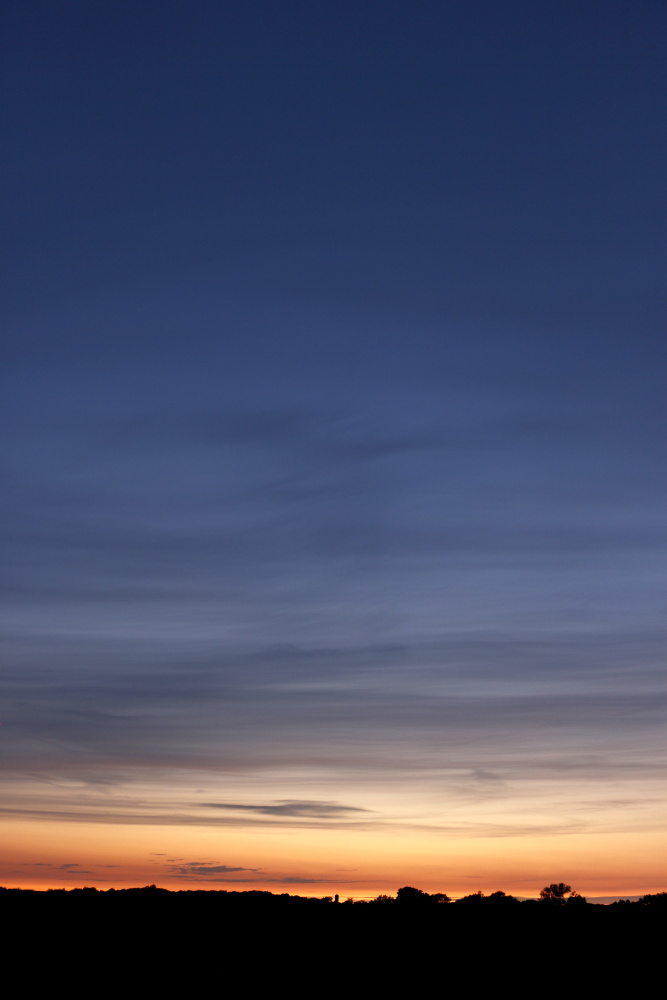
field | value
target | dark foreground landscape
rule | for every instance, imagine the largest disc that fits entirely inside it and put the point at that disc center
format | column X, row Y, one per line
column 149, row 940
column 554, row 898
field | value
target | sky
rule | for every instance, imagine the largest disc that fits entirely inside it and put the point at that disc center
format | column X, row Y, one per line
column 333, row 445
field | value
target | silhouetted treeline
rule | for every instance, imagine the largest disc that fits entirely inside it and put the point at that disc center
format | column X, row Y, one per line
column 555, row 896
column 155, row 942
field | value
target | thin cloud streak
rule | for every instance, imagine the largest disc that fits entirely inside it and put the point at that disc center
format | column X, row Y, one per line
column 306, row 810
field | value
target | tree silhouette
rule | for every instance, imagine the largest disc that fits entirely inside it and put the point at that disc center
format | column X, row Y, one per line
column 473, row 897
column 495, row 897
column 555, row 893
column 408, row 894
column 654, row 899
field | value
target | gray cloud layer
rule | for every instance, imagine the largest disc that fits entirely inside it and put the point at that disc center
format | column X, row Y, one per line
column 393, row 582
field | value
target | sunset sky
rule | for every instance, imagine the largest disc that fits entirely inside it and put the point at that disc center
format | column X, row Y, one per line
column 333, row 445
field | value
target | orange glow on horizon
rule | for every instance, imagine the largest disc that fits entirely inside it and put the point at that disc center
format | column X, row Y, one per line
column 320, row 862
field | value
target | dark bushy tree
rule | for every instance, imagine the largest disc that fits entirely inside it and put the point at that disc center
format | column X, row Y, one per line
column 555, row 893
column 654, row 899
column 408, row 894
column 495, row 897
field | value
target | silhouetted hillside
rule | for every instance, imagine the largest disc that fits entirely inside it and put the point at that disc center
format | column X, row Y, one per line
column 148, row 939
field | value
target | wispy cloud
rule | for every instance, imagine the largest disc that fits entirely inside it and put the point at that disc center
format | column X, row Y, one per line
column 307, row 810
column 210, row 871
column 198, row 868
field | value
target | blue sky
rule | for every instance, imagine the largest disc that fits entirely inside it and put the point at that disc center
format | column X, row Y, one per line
column 333, row 399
